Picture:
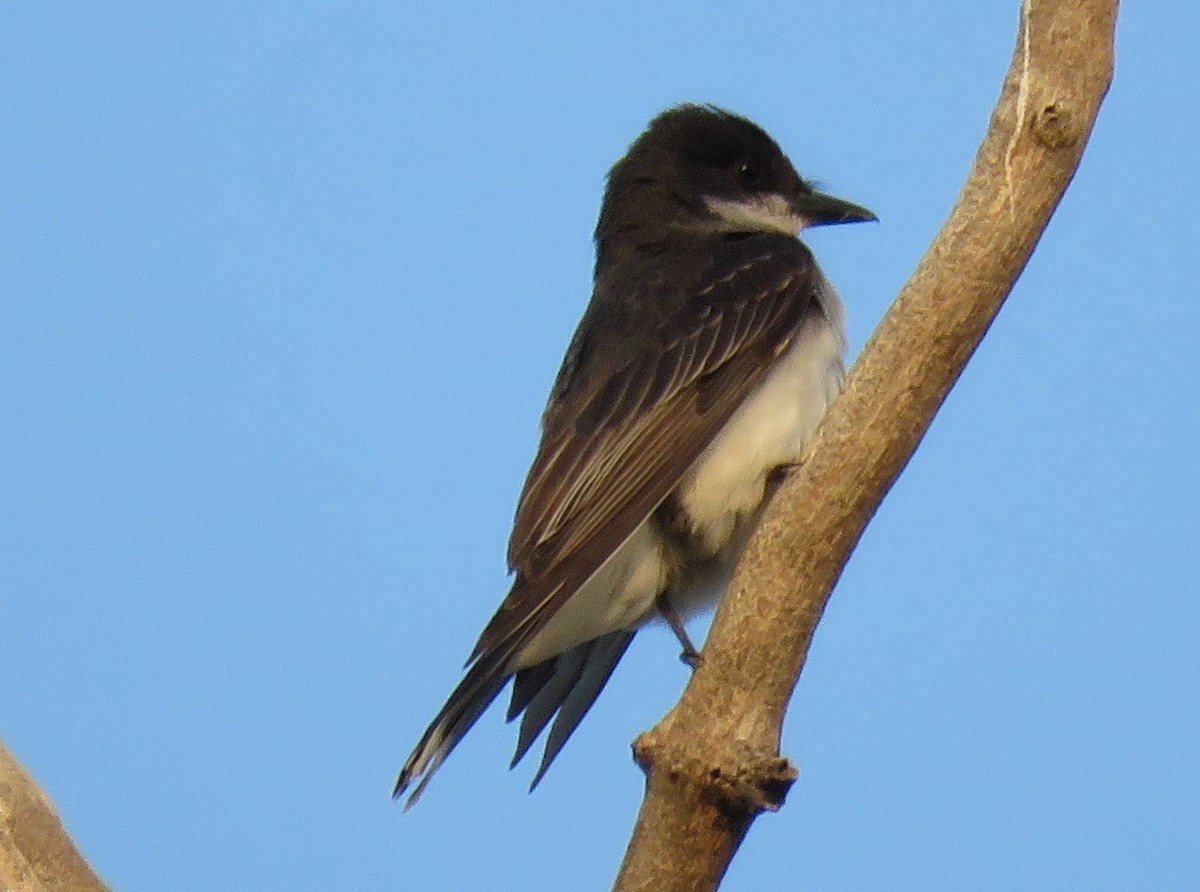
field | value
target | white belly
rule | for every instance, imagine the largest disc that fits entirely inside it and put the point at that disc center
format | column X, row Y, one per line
column 767, row 431
column 618, row 595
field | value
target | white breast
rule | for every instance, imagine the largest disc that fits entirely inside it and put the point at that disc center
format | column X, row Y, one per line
column 769, row 430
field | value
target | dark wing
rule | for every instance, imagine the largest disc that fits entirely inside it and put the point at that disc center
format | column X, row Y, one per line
column 626, row 440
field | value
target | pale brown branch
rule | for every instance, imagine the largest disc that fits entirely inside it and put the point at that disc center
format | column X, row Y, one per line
column 713, row 762
column 36, row 854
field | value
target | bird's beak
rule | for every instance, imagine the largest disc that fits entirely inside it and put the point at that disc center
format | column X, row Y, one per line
column 819, row 209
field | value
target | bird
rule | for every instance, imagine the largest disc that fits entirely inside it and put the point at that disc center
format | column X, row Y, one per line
column 710, row 349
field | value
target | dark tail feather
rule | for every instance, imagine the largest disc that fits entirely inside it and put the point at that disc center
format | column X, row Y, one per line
column 472, row 696
column 556, row 685
column 563, row 689
column 526, row 684
column 601, row 662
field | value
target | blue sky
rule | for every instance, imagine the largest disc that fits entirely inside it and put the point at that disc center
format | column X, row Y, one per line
column 282, row 291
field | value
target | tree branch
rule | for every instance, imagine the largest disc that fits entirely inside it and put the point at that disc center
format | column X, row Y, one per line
column 713, row 762
column 36, row 854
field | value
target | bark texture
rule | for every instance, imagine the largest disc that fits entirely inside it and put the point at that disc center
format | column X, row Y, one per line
column 712, row 763
column 36, row 854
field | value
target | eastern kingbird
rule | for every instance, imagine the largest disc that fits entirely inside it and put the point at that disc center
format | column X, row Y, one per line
column 710, row 349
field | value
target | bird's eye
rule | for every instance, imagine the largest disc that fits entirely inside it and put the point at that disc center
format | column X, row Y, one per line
column 748, row 174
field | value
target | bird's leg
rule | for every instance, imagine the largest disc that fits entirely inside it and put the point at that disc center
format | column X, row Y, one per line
column 667, row 611
column 775, row 479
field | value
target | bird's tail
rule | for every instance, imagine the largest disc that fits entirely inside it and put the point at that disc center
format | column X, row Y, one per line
column 563, row 689
column 473, row 695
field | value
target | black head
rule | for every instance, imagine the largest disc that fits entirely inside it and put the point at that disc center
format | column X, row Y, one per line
column 698, row 167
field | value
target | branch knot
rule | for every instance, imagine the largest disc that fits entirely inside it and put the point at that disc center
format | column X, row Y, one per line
column 1055, row 126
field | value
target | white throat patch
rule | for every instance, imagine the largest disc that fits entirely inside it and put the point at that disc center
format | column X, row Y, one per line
column 768, row 213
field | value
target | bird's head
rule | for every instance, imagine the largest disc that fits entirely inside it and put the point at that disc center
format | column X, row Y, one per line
column 700, row 168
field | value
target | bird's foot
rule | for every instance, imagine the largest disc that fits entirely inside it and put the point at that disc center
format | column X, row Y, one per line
column 667, row 611
column 691, row 657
